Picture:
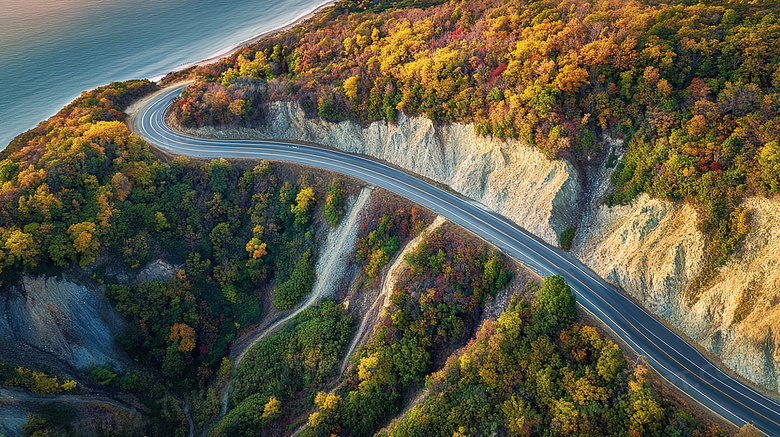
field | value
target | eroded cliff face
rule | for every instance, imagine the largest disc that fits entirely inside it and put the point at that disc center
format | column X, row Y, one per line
column 66, row 321
column 507, row 176
column 62, row 318
column 650, row 248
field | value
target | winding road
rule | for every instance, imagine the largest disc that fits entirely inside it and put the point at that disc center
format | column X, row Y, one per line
column 674, row 358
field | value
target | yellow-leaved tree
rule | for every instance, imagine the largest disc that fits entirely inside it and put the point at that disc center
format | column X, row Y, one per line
column 105, row 132
column 82, row 235
column 304, row 201
column 21, row 248
column 350, row 86
column 272, row 408
column 322, row 420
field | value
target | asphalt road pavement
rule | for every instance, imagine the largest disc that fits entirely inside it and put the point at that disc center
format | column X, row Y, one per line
column 674, row 358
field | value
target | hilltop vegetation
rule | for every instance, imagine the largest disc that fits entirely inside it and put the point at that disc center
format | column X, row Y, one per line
column 58, row 181
column 691, row 88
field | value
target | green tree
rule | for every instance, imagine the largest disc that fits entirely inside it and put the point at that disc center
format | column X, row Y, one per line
column 610, row 363
column 173, row 364
column 289, row 293
column 334, row 203
column 555, row 304
column 221, row 240
column 218, row 171
column 567, row 238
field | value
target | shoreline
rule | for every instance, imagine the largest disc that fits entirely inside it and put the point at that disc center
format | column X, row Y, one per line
column 157, row 77
column 229, row 51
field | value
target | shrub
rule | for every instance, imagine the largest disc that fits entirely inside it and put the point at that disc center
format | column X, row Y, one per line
column 567, row 238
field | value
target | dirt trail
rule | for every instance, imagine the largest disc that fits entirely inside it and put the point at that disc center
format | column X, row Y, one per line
column 330, row 270
column 414, row 402
column 390, row 279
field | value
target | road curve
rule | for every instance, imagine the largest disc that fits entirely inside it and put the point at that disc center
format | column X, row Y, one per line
column 674, row 358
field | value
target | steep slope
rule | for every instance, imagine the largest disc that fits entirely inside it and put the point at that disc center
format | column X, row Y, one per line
column 382, row 300
column 330, row 272
column 63, row 318
column 652, row 249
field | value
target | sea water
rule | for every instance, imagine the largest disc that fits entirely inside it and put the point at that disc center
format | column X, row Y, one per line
column 51, row 51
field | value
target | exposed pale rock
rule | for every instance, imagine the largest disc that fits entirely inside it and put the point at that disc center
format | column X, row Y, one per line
column 340, row 242
column 158, row 270
column 652, row 249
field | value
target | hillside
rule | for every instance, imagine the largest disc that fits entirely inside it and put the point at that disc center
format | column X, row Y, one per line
column 202, row 259
column 184, row 250
column 638, row 122
column 145, row 294
column 689, row 88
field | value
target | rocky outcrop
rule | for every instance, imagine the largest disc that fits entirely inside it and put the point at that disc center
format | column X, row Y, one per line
column 158, row 270
column 60, row 317
column 509, row 177
column 652, row 249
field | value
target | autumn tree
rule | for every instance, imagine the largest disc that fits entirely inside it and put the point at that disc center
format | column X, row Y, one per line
column 84, row 241
column 184, row 335
column 304, row 202
column 21, row 247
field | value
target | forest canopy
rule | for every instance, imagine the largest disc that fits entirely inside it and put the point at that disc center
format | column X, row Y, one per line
column 82, row 190
column 691, row 89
